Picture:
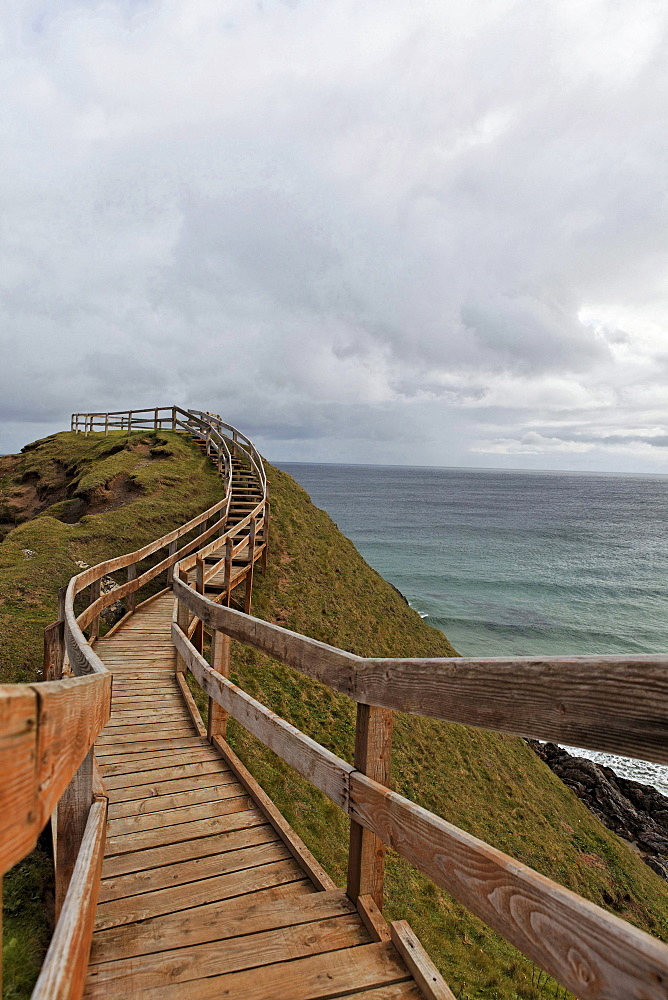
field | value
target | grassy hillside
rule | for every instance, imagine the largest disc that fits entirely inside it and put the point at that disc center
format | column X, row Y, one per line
column 69, row 499
column 491, row 785
column 112, row 495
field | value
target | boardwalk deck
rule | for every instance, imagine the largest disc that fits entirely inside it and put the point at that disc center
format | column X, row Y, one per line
column 200, row 896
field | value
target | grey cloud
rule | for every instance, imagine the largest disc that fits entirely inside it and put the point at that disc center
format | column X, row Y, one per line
column 339, row 225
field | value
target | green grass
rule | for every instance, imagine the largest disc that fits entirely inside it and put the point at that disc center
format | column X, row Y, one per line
column 167, row 481
column 317, row 583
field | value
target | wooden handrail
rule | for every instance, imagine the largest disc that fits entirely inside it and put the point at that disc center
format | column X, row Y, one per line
column 588, row 950
column 47, row 731
column 613, row 703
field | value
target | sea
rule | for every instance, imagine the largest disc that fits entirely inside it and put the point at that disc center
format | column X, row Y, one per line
column 515, row 562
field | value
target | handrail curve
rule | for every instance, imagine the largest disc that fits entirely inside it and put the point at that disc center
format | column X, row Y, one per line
column 47, row 731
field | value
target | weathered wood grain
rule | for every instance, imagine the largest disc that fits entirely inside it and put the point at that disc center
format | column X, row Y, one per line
column 591, row 952
column 312, row 978
column 19, row 826
column 64, row 970
column 366, row 854
column 116, row 979
column 423, row 970
column 324, row 769
column 181, row 897
column 281, row 906
column 613, row 703
column 242, row 829
column 316, row 659
column 295, row 844
column 250, row 855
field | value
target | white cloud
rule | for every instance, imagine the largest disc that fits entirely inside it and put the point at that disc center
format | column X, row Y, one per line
column 441, row 227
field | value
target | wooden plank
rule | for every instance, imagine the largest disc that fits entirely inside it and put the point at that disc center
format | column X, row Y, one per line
column 324, row 769
column 280, row 906
column 395, row 991
column 71, row 714
column 373, row 919
column 423, row 970
column 147, row 768
column 366, row 854
column 243, row 828
column 140, row 797
column 295, row 844
column 121, row 979
column 180, row 742
column 190, row 705
column 178, row 815
column 212, row 792
column 182, row 897
column 64, row 969
column 131, row 716
column 194, row 869
column 54, row 651
column 613, row 703
column 182, row 831
column 122, row 766
column 311, row 978
column 120, row 729
column 614, row 960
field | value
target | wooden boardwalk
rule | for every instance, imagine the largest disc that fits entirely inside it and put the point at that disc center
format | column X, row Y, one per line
column 200, row 895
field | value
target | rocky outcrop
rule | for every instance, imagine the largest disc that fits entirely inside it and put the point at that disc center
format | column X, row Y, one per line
column 636, row 812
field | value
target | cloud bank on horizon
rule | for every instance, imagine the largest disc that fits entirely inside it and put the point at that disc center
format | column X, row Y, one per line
column 416, row 233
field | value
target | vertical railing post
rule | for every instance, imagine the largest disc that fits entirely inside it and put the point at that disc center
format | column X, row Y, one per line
column 106, row 425
column 251, row 562
column 94, row 627
column 173, row 418
column 182, row 617
column 170, row 571
column 198, row 635
column 131, row 602
column 373, row 749
column 220, row 662
column 129, row 421
column 155, row 422
column 70, row 823
column 228, row 570
column 265, row 551
column 54, row 643
column 69, row 820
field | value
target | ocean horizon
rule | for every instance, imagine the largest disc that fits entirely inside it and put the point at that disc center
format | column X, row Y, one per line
column 514, row 562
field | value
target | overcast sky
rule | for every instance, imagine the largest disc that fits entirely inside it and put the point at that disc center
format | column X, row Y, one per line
column 401, row 231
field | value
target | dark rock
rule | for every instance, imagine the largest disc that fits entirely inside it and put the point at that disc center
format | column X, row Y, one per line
column 636, row 812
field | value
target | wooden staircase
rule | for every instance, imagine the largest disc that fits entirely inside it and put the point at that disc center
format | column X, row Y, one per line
column 205, row 890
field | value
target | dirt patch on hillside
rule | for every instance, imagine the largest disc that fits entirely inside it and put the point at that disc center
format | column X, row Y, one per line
column 118, row 491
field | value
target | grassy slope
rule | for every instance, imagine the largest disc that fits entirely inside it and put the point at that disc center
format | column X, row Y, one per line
column 491, row 785
column 166, row 482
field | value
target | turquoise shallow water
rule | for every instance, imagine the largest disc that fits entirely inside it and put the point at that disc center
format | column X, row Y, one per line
column 514, row 562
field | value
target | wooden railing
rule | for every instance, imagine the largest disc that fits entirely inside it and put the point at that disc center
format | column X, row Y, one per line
column 612, row 703
column 47, row 731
